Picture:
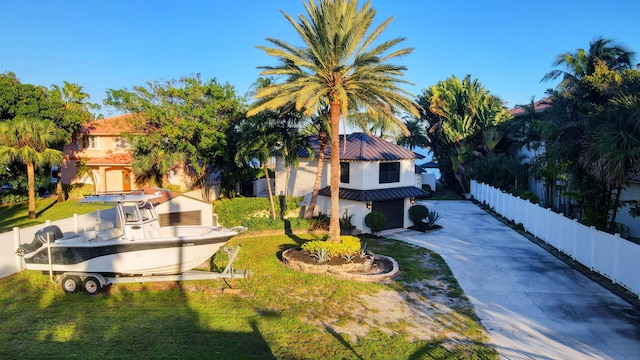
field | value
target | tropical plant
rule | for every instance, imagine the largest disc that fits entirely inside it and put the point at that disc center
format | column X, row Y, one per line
column 339, row 66
column 375, row 220
column 188, row 116
column 581, row 62
column 592, row 130
column 345, row 221
column 321, row 255
column 28, row 141
column 84, row 170
column 415, row 137
column 464, row 120
column 433, row 217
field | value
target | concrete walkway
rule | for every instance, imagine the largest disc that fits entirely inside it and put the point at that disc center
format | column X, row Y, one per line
column 533, row 305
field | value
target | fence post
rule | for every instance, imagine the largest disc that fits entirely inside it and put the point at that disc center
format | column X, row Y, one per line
column 576, row 226
column 592, row 235
column 16, row 237
column 616, row 249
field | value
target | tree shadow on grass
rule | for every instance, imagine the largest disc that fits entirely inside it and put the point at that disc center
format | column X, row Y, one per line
column 126, row 320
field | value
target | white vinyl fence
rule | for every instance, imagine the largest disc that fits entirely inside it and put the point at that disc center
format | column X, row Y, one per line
column 10, row 263
column 609, row 255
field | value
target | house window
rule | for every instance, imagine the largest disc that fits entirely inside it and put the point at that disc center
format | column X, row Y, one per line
column 89, row 142
column 389, row 172
column 344, row 172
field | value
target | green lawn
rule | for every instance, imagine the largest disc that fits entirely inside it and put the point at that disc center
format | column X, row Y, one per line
column 12, row 215
column 444, row 193
column 280, row 313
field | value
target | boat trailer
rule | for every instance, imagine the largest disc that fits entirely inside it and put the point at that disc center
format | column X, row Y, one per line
column 92, row 283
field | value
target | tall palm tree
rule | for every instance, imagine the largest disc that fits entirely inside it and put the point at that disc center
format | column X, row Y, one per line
column 74, row 97
column 318, row 127
column 415, row 138
column 77, row 106
column 581, row 62
column 257, row 143
column 28, row 141
column 340, row 66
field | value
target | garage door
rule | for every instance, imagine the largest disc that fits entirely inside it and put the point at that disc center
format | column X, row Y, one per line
column 181, row 218
column 393, row 211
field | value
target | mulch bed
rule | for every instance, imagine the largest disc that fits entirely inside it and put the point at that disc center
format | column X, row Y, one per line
column 306, row 257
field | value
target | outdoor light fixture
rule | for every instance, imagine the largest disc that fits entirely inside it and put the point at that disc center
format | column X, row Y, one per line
column 412, row 200
column 369, row 205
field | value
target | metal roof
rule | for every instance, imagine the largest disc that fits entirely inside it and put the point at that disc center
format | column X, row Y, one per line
column 363, row 147
column 376, row 195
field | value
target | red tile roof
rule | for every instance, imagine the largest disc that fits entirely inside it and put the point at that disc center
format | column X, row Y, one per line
column 113, row 159
column 538, row 106
column 110, row 126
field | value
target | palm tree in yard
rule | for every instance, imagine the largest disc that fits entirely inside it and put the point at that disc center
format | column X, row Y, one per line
column 339, row 65
column 28, row 141
column 415, row 138
column 581, row 62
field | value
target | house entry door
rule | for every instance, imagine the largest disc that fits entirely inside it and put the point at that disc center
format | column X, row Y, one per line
column 126, row 180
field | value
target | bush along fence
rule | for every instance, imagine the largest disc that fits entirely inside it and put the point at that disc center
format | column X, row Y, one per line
column 609, row 255
column 10, row 263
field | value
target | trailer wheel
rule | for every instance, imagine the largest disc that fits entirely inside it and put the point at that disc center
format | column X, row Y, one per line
column 71, row 284
column 92, row 285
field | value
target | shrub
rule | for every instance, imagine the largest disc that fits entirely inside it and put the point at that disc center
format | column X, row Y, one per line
column 348, row 245
column 175, row 188
column 236, row 211
column 13, row 196
column 345, row 221
column 375, row 221
column 528, row 195
column 320, row 222
column 417, row 213
column 267, row 223
column 80, row 190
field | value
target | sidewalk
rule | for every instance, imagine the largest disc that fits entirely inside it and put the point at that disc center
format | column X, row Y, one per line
column 533, row 305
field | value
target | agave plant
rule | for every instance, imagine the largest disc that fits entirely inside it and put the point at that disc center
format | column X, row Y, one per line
column 321, row 255
column 433, row 217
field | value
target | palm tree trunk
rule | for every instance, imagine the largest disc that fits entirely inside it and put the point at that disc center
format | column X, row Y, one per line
column 334, row 220
column 614, row 209
column 165, row 180
column 59, row 189
column 316, row 185
column 266, row 174
column 31, row 184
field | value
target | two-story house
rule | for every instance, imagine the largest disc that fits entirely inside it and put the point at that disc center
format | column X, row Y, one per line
column 375, row 175
column 108, row 154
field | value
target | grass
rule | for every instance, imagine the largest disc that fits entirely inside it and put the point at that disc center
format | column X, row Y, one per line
column 444, row 193
column 16, row 215
column 281, row 313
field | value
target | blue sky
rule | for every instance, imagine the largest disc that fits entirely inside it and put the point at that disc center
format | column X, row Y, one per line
column 507, row 45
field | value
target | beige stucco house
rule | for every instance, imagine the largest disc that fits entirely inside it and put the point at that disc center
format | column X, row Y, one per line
column 109, row 155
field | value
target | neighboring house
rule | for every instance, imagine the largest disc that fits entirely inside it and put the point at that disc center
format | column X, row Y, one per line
column 108, row 154
column 374, row 175
column 632, row 192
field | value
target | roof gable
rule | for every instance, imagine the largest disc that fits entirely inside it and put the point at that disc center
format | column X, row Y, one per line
column 362, row 147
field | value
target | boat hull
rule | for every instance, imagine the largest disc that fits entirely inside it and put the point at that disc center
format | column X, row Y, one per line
column 141, row 257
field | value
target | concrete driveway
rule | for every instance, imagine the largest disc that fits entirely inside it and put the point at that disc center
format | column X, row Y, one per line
column 533, row 305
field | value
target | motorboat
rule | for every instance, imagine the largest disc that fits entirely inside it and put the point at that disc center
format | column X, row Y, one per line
column 135, row 244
